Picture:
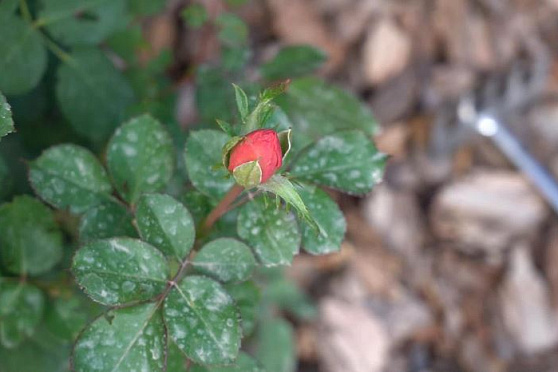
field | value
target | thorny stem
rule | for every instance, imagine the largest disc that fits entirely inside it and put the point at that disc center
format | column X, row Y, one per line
column 221, row 208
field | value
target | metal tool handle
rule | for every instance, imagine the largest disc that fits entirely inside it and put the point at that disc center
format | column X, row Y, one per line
column 490, row 127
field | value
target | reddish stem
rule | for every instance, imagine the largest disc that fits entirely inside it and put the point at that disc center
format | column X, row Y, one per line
column 222, row 207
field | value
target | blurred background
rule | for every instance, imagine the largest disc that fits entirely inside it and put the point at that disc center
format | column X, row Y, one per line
column 452, row 263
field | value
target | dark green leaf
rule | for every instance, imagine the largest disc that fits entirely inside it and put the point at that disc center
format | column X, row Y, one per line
column 244, row 363
column 140, row 157
column 293, row 61
column 203, row 321
column 40, row 353
column 271, row 232
column 246, row 295
column 132, row 340
column 198, row 204
column 202, row 154
column 195, row 15
column 236, row 3
column 317, row 108
column 346, row 160
column 21, row 310
column 146, row 7
column 6, row 181
column 288, row 296
column 233, row 30
column 120, row 270
column 65, row 317
column 165, row 223
column 214, row 95
column 23, row 57
column 70, row 176
column 83, row 22
column 6, row 121
column 127, row 44
column 226, row 260
column 275, row 346
column 92, row 94
column 8, row 7
column 328, row 216
column 176, row 360
column 30, row 239
column 108, row 220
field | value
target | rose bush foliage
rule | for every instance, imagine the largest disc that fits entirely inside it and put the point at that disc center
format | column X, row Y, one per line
column 128, row 243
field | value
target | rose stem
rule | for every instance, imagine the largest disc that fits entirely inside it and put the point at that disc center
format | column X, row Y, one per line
column 222, row 207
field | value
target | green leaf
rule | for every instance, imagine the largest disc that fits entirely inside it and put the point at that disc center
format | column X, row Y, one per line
column 236, row 3
column 65, row 317
column 83, row 22
column 140, row 157
column 271, row 232
column 283, row 188
column 21, row 310
column 132, row 339
column 347, row 161
column 244, row 363
column 226, row 260
column 233, row 31
column 38, row 353
column 146, row 7
column 293, row 61
column 6, row 121
column 214, row 95
column 23, row 57
column 165, row 223
column 108, row 220
column 8, row 7
column 195, row 15
column 92, row 94
column 328, row 216
column 288, row 296
column 241, row 102
column 275, row 346
column 70, row 176
column 120, row 270
column 317, row 109
column 203, row 321
column 246, row 295
column 30, row 239
column 6, row 181
column 202, row 154
column 199, row 205
column 176, row 360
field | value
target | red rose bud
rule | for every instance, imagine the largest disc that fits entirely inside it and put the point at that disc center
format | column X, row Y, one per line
column 256, row 158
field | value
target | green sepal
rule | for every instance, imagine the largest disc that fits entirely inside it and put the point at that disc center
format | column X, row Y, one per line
column 241, row 102
column 265, row 107
column 284, row 188
column 227, row 148
column 285, row 139
column 248, row 175
column 226, row 127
